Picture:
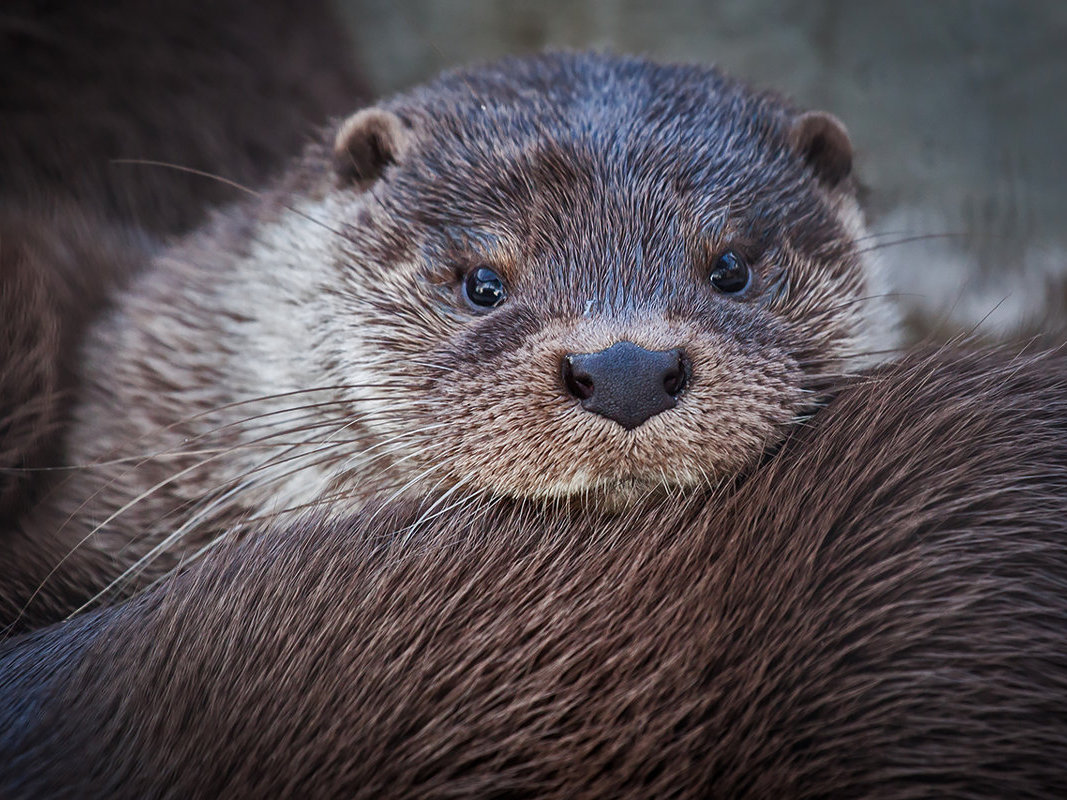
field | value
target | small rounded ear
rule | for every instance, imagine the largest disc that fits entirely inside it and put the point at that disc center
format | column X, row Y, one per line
column 822, row 141
column 368, row 142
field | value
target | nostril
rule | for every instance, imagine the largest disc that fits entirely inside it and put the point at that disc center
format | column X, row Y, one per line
column 674, row 379
column 672, row 382
column 578, row 382
column 583, row 387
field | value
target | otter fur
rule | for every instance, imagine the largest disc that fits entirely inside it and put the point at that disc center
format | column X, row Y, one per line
column 566, row 276
column 878, row 612
column 223, row 87
column 57, row 272
column 121, row 124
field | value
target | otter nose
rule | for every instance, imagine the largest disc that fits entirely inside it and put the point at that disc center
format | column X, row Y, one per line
column 626, row 383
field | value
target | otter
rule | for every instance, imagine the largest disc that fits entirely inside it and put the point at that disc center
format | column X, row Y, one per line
column 57, row 271
column 878, row 611
column 121, row 124
column 557, row 277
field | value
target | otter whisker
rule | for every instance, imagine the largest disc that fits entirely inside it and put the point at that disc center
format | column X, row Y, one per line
column 187, row 560
column 215, row 454
column 315, row 457
column 162, row 455
column 251, row 444
column 411, row 482
column 226, row 181
column 216, row 540
column 870, row 297
column 131, row 503
column 901, row 232
column 241, row 483
column 95, row 529
column 134, row 570
column 921, row 237
column 167, row 452
column 174, row 476
column 428, row 514
column 236, row 423
column 147, row 162
column 328, row 498
column 329, row 448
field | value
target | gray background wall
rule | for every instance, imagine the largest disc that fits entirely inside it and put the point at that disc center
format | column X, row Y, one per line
column 956, row 110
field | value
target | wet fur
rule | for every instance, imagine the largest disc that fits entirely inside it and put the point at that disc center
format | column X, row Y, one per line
column 878, row 612
column 312, row 348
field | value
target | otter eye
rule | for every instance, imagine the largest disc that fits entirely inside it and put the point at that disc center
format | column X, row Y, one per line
column 484, row 288
column 730, row 274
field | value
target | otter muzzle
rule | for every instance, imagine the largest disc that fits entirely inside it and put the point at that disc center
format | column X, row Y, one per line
column 626, row 383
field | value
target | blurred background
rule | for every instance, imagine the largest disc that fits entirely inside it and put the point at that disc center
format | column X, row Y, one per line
column 957, row 110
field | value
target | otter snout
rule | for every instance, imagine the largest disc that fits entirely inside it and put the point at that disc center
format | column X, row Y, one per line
column 626, row 383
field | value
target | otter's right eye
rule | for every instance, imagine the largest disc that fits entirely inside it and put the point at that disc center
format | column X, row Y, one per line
column 731, row 274
column 483, row 288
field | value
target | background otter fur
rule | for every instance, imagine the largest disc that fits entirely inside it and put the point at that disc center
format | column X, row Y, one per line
column 877, row 612
column 321, row 345
column 226, row 88
column 57, row 271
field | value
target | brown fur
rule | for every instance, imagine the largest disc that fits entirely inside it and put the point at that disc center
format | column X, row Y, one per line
column 227, row 87
column 878, row 612
column 313, row 348
column 57, row 271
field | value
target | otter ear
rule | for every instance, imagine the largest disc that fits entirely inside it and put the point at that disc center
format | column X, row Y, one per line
column 368, row 142
column 822, row 141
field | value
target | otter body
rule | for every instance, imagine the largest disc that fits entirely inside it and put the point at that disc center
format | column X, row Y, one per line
column 877, row 612
column 558, row 277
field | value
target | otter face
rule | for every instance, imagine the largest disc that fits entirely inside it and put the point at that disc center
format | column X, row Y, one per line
column 596, row 276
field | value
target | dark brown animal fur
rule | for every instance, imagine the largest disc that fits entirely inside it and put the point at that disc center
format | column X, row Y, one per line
column 229, row 88
column 879, row 612
column 57, row 271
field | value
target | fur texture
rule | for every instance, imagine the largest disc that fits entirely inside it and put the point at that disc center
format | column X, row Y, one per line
column 57, row 272
column 314, row 348
column 227, row 88
column 878, row 612
column 223, row 87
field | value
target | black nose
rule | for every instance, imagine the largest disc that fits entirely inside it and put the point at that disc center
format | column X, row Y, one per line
column 625, row 382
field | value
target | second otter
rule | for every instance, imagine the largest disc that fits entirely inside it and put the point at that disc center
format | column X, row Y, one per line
column 569, row 275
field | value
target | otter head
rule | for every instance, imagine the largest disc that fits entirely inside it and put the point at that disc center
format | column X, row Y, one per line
column 588, row 275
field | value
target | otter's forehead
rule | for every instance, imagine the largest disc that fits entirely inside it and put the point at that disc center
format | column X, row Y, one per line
column 595, row 98
column 596, row 125
column 563, row 163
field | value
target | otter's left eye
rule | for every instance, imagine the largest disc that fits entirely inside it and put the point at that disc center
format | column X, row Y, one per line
column 483, row 288
column 730, row 274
